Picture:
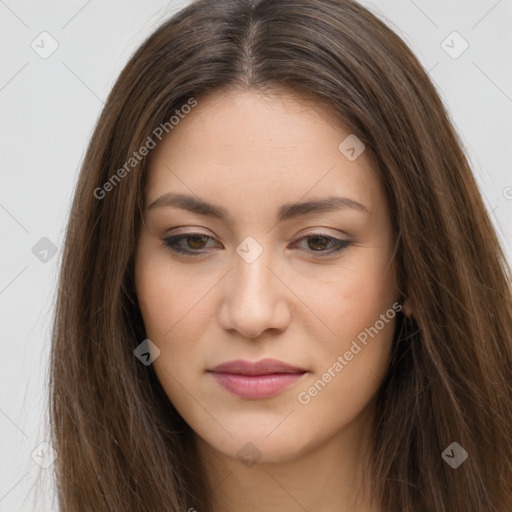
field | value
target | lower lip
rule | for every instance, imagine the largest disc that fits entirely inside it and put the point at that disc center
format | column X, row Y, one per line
column 256, row 386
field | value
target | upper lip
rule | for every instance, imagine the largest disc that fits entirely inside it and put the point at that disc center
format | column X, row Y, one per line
column 261, row 367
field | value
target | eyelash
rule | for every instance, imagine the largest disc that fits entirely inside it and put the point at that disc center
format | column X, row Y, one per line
column 171, row 242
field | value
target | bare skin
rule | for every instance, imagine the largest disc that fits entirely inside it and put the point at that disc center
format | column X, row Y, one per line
column 250, row 154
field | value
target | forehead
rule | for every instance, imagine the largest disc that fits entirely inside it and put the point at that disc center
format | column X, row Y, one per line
column 259, row 149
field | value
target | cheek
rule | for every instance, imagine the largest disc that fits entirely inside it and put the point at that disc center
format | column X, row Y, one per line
column 351, row 360
column 176, row 317
column 350, row 365
column 354, row 297
column 176, row 311
column 155, row 300
column 168, row 298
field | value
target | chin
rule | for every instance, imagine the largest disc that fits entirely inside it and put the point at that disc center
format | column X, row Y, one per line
column 257, row 446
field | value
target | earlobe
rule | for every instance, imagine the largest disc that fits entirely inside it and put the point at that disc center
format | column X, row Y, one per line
column 407, row 309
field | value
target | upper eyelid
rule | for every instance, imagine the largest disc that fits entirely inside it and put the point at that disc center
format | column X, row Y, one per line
column 189, row 234
column 315, row 232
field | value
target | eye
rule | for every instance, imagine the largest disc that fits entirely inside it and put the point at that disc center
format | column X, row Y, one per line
column 191, row 244
column 194, row 241
column 318, row 243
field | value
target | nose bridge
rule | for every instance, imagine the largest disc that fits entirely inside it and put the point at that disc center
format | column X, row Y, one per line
column 252, row 302
column 252, row 277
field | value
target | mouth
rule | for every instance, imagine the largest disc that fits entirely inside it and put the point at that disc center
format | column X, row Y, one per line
column 260, row 379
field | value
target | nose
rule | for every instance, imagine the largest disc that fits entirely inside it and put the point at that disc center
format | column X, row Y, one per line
column 255, row 298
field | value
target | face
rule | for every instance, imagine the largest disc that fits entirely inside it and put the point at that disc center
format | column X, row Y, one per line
column 266, row 270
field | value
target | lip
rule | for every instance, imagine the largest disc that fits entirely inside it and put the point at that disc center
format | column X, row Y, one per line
column 259, row 379
column 265, row 366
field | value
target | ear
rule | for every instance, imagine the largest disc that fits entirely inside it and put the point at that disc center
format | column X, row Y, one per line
column 407, row 308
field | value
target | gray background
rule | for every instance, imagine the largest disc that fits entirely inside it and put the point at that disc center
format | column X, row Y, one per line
column 48, row 110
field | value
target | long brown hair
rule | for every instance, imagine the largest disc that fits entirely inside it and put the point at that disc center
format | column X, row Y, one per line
column 121, row 444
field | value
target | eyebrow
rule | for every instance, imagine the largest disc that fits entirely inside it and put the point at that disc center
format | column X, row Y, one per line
column 286, row 211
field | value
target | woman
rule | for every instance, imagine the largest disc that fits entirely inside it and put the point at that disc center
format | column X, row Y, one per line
column 280, row 288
